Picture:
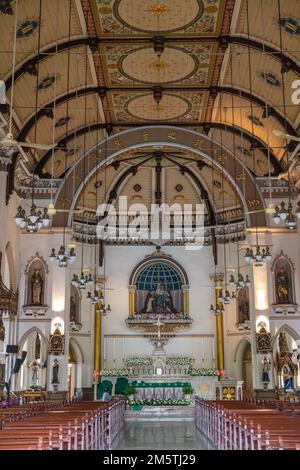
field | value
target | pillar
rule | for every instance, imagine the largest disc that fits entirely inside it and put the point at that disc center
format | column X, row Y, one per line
column 219, row 322
column 132, row 301
column 186, row 300
column 97, row 349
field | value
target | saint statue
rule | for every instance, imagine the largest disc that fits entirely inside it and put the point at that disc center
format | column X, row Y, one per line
column 243, row 306
column 36, row 288
column 34, row 365
column 73, row 313
column 266, row 366
column 2, row 329
column 55, row 372
column 159, row 300
column 288, row 379
column 282, row 286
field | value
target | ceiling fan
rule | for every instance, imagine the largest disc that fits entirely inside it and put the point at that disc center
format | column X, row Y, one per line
column 283, row 135
column 8, row 144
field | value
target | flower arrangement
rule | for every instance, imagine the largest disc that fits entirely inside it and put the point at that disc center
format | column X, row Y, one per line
column 205, row 372
column 139, row 361
column 180, row 361
column 115, row 373
column 160, row 402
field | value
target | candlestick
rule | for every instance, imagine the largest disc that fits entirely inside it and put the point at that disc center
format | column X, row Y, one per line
column 213, row 348
column 202, row 347
column 104, row 349
column 114, row 349
column 123, row 348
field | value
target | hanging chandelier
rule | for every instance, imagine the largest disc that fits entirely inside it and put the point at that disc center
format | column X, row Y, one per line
column 218, row 310
column 34, row 221
column 240, row 282
column 61, row 258
column 286, row 215
column 260, row 257
column 98, row 299
column 83, row 281
column 227, row 298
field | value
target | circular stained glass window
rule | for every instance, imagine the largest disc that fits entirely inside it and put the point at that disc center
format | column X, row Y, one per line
column 159, row 272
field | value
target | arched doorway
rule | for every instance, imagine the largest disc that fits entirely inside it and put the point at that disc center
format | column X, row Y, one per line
column 75, row 370
column 33, row 373
column 247, row 370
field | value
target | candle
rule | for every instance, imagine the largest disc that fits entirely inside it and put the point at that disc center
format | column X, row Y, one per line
column 213, row 347
column 202, row 347
column 123, row 347
column 114, row 349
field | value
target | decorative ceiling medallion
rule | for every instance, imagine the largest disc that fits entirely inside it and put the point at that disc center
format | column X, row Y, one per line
column 158, row 16
column 46, row 82
column 62, row 122
column 137, row 188
column 256, row 121
column 271, row 79
column 244, row 151
column 144, row 66
column 27, row 28
column 170, row 107
column 179, row 188
column 290, row 25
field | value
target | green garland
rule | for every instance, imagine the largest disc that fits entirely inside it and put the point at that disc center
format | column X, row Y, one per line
column 203, row 372
column 160, row 402
column 139, row 361
column 115, row 373
column 180, row 361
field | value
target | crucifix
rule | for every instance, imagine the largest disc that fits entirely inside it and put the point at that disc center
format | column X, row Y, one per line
column 159, row 324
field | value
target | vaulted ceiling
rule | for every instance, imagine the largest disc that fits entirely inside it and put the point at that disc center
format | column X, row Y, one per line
column 87, row 67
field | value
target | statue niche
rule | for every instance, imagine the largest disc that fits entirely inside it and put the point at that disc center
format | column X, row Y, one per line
column 283, row 281
column 159, row 290
column 36, row 273
column 243, row 306
column 74, row 308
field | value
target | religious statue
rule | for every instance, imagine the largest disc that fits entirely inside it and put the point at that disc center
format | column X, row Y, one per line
column 266, row 366
column 283, row 346
column 282, row 286
column 36, row 288
column 288, row 379
column 34, row 366
column 73, row 313
column 159, row 300
column 243, row 306
column 55, row 372
column 2, row 329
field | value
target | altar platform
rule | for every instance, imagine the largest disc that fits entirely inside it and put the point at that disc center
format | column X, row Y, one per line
column 162, row 413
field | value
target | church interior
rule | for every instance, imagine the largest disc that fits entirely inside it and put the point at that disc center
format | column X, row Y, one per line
column 149, row 206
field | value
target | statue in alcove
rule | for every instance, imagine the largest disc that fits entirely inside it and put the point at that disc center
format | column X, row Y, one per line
column 282, row 286
column 159, row 300
column 73, row 310
column 36, row 288
column 243, row 306
column 2, row 329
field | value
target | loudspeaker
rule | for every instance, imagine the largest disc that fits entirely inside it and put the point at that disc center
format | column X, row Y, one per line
column 24, row 354
column 11, row 349
column 17, row 366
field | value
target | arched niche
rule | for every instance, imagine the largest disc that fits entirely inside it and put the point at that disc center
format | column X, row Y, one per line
column 159, row 286
column 33, row 373
column 36, row 280
column 243, row 307
column 283, row 271
column 75, row 367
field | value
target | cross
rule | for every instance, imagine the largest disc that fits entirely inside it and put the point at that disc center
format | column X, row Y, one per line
column 158, row 324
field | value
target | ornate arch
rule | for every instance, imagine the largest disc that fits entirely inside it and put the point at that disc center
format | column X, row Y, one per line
column 283, row 258
column 172, row 137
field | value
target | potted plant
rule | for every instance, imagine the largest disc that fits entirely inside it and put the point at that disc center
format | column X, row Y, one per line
column 188, row 391
column 130, row 392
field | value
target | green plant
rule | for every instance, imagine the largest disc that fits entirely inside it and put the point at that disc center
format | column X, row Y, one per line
column 188, row 390
column 297, row 391
column 130, row 391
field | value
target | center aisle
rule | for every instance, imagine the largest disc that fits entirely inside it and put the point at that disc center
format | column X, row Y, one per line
column 159, row 435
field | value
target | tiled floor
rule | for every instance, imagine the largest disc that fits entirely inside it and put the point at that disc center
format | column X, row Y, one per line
column 159, row 435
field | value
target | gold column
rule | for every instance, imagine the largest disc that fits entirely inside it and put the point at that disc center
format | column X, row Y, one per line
column 219, row 322
column 97, row 345
column 131, row 301
column 186, row 300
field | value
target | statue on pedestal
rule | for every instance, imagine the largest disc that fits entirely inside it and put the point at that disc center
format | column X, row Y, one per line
column 55, row 372
column 266, row 366
column 35, row 366
column 36, row 288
